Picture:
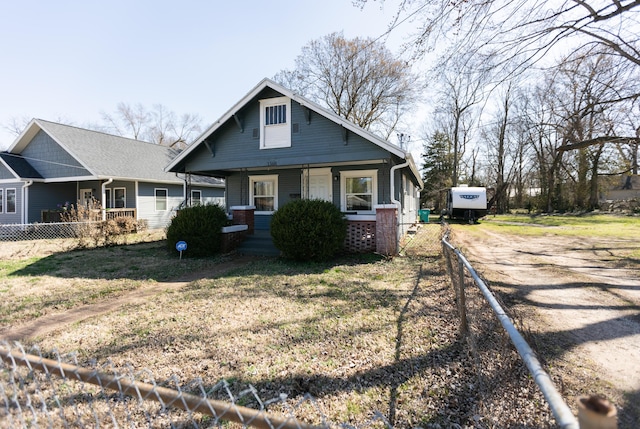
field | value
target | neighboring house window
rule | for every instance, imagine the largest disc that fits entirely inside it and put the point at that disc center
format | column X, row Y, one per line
column 264, row 192
column 196, row 198
column 275, row 114
column 359, row 190
column 161, row 199
column 11, row 200
column 119, row 198
column 108, row 204
column 1, row 200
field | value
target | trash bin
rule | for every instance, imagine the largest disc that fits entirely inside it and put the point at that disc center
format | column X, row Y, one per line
column 424, row 215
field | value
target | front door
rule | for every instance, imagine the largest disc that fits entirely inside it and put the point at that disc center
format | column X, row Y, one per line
column 318, row 184
column 86, row 197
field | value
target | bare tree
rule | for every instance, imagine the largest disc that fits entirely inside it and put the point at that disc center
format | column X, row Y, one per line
column 525, row 29
column 461, row 92
column 501, row 148
column 358, row 79
column 158, row 125
column 585, row 84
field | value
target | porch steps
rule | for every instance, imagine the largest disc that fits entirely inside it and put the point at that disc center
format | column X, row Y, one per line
column 259, row 243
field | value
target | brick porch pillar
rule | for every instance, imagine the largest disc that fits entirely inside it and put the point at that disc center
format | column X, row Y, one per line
column 244, row 215
column 386, row 229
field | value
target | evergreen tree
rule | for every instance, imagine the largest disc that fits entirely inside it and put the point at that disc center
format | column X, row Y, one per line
column 437, row 171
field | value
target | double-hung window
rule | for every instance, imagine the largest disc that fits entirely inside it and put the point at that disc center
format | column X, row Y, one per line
column 196, row 198
column 119, row 198
column 108, row 203
column 359, row 190
column 275, row 123
column 264, row 192
column 11, row 201
column 161, row 195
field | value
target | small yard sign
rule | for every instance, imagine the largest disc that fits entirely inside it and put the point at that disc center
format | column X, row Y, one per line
column 180, row 246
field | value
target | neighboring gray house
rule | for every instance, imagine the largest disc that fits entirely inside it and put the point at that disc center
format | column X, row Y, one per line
column 50, row 165
column 274, row 146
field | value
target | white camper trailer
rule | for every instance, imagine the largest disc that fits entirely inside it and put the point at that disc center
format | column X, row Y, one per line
column 466, row 202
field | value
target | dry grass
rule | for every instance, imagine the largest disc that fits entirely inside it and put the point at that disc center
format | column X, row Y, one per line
column 362, row 334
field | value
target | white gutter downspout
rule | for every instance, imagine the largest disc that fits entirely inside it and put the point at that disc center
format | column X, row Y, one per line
column 393, row 187
column 393, row 200
column 103, row 202
column 25, row 201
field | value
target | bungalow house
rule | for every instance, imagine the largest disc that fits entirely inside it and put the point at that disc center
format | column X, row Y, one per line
column 51, row 165
column 274, row 146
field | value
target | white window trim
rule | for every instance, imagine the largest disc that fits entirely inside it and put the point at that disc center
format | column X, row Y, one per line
column 108, row 196
column 155, row 199
column 6, row 201
column 286, row 141
column 113, row 195
column 359, row 173
column 2, row 201
column 193, row 191
column 253, row 179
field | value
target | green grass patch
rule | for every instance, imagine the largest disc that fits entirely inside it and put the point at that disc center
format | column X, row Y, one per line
column 596, row 225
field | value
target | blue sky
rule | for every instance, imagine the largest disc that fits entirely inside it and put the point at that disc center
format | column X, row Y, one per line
column 69, row 60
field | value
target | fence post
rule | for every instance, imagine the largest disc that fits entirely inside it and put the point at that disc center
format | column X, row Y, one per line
column 462, row 301
column 595, row 412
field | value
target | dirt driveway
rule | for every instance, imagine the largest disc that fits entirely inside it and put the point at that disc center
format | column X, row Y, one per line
column 578, row 294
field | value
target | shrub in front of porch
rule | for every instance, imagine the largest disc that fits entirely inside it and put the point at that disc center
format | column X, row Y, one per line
column 309, row 230
column 199, row 227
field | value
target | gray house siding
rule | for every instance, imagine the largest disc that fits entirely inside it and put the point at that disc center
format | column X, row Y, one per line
column 47, row 197
column 146, row 203
column 321, row 141
column 5, row 174
column 51, row 160
column 290, row 184
column 210, row 195
column 11, row 218
column 130, row 192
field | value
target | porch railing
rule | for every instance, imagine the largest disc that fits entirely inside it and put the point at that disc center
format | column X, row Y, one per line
column 55, row 216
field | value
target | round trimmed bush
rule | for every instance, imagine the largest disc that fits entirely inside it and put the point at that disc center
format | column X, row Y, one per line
column 200, row 227
column 309, row 230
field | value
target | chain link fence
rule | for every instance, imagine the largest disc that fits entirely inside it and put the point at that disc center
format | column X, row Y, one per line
column 498, row 352
column 422, row 239
column 51, row 390
column 44, row 231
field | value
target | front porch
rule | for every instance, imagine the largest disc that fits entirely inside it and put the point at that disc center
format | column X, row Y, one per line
column 365, row 233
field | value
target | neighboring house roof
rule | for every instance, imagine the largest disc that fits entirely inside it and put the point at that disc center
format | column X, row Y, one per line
column 19, row 166
column 105, row 155
column 267, row 83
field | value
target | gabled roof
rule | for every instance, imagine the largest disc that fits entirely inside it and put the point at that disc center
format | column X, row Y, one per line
column 268, row 83
column 19, row 166
column 105, row 155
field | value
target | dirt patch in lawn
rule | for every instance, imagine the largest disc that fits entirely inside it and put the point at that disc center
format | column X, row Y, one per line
column 581, row 298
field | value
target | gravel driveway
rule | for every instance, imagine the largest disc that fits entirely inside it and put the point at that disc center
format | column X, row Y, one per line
column 581, row 299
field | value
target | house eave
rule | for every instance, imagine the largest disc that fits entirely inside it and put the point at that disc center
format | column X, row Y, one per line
column 300, row 100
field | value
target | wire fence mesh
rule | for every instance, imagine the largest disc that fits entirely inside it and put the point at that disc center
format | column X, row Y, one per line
column 44, row 231
column 422, row 239
column 51, row 390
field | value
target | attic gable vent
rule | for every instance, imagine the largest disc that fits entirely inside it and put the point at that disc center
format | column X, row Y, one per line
column 256, row 133
column 295, row 128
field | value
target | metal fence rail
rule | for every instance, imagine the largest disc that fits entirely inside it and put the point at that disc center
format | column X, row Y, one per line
column 38, row 391
column 561, row 411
